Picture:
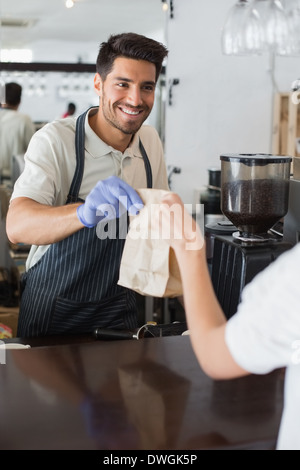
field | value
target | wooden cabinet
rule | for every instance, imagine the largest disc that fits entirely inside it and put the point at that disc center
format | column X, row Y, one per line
column 286, row 124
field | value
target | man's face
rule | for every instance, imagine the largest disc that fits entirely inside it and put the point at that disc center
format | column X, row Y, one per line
column 127, row 94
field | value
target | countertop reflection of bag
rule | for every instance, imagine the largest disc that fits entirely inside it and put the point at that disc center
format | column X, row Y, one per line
column 148, row 264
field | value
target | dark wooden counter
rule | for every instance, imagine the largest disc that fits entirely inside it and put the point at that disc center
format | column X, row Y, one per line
column 149, row 394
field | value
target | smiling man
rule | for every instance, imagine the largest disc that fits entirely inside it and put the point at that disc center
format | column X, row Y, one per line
column 127, row 98
column 73, row 168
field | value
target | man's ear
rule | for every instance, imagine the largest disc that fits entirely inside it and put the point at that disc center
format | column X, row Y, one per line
column 98, row 84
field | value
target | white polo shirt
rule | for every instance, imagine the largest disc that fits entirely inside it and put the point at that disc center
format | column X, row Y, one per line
column 16, row 130
column 50, row 163
column 264, row 335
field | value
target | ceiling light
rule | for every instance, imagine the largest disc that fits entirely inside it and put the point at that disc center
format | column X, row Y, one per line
column 165, row 5
column 69, row 3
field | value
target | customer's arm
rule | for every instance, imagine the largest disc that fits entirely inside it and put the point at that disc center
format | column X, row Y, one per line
column 205, row 318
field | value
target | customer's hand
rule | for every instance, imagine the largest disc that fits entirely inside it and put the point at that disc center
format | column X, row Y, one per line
column 109, row 199
column 178, row 226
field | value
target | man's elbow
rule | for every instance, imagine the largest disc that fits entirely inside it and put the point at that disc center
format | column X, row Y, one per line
column 218, row 365
column 11, row 230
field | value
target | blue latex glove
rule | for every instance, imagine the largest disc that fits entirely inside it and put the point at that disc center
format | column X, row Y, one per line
column 109, row 199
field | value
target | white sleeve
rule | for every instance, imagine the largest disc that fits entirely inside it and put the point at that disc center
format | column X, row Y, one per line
column 264, row 334
column 37, row 180
column 44, row 176
column 29, row 130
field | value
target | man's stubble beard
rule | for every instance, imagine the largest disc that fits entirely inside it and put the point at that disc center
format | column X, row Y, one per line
column 110, row 117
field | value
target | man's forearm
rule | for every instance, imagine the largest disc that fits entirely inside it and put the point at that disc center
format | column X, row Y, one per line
column 37, row 224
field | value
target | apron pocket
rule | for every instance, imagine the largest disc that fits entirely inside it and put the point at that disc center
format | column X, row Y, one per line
column 70, row 316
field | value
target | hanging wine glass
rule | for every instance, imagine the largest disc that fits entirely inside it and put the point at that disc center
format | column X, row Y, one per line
column 293, row 15
column 260, row 9
column 253, row 32
column 261, row 25
column 277, row 29
column 232, row 34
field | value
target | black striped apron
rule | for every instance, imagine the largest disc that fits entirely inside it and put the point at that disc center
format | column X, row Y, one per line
column 73, row 287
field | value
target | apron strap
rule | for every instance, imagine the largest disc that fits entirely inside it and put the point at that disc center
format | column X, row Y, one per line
column 80, row 155
column 79, row 145
column 147, row 165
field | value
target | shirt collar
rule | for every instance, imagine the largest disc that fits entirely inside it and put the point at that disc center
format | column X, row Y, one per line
column 97, row 148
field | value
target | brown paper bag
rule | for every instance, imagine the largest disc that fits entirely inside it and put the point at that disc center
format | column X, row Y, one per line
column 148, row 264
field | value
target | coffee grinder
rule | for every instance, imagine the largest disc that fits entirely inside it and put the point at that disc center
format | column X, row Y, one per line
column 291, row 233
column 254, row 199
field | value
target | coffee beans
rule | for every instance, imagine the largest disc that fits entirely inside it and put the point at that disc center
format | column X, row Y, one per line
column 254, row 206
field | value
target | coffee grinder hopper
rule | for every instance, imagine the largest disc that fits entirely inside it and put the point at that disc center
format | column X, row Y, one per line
column 254, row 193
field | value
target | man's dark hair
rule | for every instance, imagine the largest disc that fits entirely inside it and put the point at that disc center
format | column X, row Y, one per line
column 13, row 93
column 132, row 46
column 71, row 108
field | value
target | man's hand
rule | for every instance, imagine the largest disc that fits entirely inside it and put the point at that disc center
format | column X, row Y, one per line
column 109, row 199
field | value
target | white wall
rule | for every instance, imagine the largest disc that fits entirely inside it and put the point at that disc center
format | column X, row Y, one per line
column 222, row 104
column 50, row 101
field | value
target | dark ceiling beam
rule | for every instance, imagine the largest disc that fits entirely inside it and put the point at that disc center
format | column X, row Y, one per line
column 46, row 67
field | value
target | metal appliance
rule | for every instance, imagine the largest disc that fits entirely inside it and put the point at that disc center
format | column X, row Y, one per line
column 254, row 198
column 211, row 197
column 291, row 232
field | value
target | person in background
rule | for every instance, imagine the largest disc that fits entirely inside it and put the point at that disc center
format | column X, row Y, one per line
column 262, row 336
column 71, row 109
column 79, row 172
column 16, row 129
